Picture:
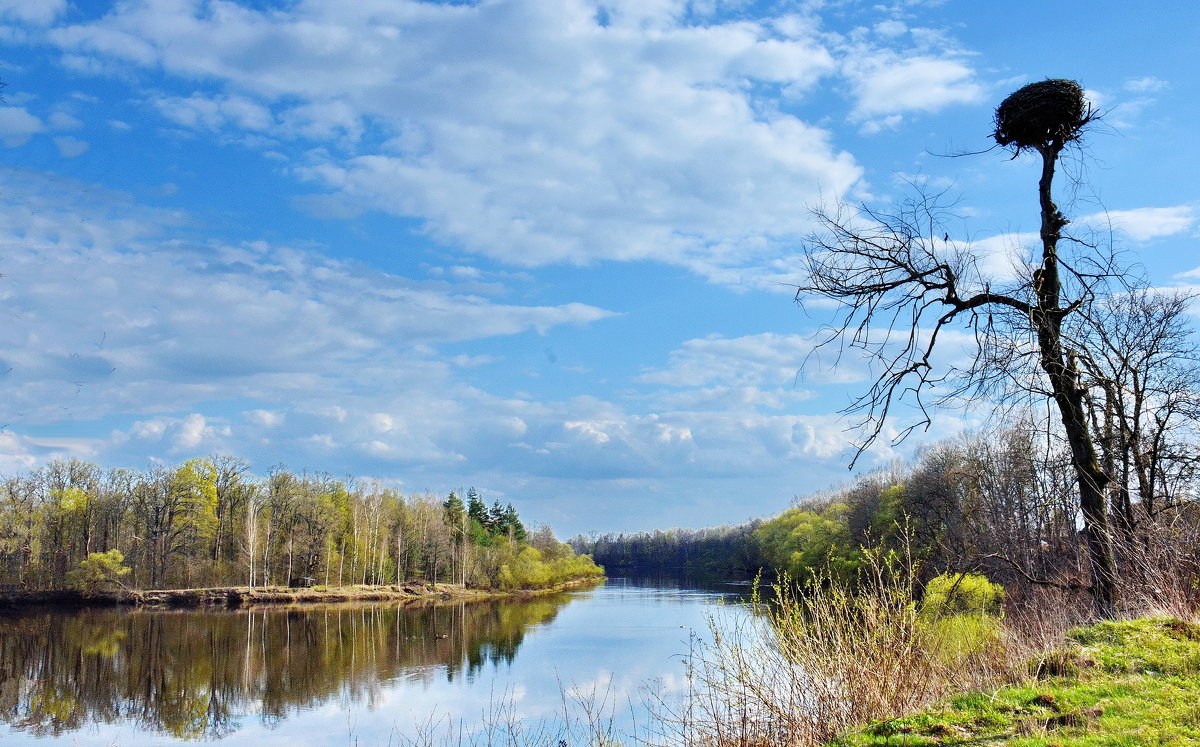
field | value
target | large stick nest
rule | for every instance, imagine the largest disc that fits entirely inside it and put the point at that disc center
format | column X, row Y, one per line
column 1048, row 112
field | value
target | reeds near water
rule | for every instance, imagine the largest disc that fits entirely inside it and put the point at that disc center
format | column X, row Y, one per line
column 819, row 660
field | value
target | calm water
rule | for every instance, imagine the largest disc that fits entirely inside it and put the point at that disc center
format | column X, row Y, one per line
column 364, row 675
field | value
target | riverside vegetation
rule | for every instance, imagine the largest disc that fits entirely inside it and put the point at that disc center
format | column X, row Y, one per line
column 209, row 523
column 962, row 571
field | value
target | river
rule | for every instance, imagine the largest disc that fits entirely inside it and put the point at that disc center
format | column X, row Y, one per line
column 367, row 675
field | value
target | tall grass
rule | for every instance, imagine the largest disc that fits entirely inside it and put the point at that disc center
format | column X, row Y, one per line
column 818, row 660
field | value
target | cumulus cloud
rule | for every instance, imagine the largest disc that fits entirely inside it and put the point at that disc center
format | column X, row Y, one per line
column 762, row 361
column 888, row 85
column 188, row 435
column 526, row 132
column 17, row 126
column 1004, row 257
column 565, row 138
column 1147, row 84
column 215, row 112
column 265, row 418
column 20, row 453
column 70, row 147
column 1144, row 224
column 61, row 120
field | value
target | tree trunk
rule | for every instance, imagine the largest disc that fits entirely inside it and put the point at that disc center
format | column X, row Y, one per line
column 1060, row 367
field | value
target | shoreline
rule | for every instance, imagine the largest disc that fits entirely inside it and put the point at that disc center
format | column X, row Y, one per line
column 241, row 597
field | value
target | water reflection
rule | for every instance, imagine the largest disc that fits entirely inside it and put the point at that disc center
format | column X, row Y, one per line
column 196, row 675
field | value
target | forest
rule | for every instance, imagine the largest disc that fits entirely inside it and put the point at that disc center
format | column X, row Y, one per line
column 210, row 522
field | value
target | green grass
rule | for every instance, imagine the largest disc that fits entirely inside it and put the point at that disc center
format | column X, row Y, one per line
column 1116, row 684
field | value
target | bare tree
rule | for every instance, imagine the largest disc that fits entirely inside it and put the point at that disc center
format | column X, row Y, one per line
column 902, row 286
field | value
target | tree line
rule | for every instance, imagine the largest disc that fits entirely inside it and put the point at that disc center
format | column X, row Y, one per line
column 997, row 502
column 211, row 522
column 723, row 550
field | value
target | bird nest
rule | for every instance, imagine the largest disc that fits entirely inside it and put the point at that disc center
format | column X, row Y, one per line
column 1042, row 113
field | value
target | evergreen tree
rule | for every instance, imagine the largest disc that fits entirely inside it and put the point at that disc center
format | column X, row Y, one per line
column 476, row 510
column 453, row 507
column 495, row 518
column 512, row 524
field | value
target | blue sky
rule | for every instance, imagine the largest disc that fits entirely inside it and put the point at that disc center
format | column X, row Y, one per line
column 541, row 247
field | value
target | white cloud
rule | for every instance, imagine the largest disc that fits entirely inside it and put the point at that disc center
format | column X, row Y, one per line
column 1144, row 224
column 381, row 422
column 20, row 453
column 215, row 113
column 265, row 418
column 1147, row 84
column 194, row 431
column 563, row 141
column 891, row 28
column 60, row 120
column 115, row 314
column 70, row 147
column 40, row 12
column 888, row 85
column 185, row 436
column 521, row 130
column 762, row 361
column 1004, row 257
column 17, row 126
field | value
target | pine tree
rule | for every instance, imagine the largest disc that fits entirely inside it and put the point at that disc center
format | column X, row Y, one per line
column 512, row 524
column 475, row 508
column 495, row 518
column 453, row 507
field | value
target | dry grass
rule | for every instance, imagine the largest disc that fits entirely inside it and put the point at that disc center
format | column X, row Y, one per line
column 817, row 662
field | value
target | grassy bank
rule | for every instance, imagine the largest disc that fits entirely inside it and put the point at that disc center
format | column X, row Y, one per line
column 243, row 596
column 1115, row 683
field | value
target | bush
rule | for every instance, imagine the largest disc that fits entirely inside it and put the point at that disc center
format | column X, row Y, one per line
column 960, row 614
column 961, row 594
column 530, row 569
column 98, row 571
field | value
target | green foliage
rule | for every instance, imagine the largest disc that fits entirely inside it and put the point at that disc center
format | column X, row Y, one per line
column 100, row 570
column 455, row 514
column 476, row 508
column 889, row 515
column 528, row 568
column 802, row 540
column 957, row 638
column 960, row 611
column 961, row 594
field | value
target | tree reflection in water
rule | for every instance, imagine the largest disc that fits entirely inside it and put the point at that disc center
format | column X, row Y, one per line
column 199, row 674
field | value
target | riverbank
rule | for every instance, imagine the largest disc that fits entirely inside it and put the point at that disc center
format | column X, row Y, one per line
column 1115, row 683
column 234, row 597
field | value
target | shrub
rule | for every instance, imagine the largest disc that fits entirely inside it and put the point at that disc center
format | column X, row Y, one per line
column 961, row 594
column 960, row 614
column 98, row 571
